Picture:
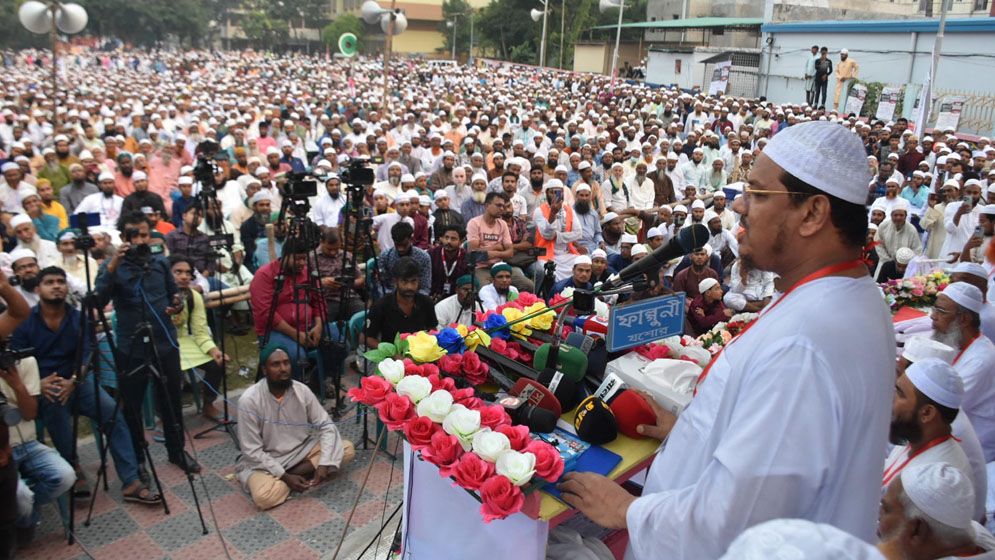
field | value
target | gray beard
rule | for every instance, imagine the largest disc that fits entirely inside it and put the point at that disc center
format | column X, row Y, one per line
column 953, row 338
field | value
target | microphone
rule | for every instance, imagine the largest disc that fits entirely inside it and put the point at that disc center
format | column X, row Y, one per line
column 686, row 240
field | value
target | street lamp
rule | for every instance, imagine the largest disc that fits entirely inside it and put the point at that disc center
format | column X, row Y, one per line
column 392, row 22
column 51, row 17
column 604, row 6
column 536, row 14
column 453, row 25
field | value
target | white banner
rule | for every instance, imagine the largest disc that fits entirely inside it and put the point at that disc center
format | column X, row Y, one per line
column 720, row 77
column 949, row 114
column 887, row 103
column 855, row 102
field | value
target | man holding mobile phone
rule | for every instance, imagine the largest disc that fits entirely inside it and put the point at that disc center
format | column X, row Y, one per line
column 557, row 231
column 960, row 218
column 977, row 247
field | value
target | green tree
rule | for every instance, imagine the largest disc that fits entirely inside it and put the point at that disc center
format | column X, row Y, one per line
column 459, row 11
column 345, row 23
column 264, row 31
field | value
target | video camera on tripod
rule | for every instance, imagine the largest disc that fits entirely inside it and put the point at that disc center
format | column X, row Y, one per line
column 206, row 169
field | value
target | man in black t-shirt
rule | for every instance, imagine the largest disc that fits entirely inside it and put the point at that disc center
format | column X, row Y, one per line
column 404, row 310
column 823, row 69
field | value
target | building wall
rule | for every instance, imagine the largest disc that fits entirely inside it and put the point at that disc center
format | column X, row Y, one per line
column 891, row 58
column 798, row 10
column 591, row 57
column 670, row 68
column 425, row 39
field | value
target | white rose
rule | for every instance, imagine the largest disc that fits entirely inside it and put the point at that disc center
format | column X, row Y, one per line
column 392, row 370
column 415, row 387
column 462, row 423
column 516, row 467
column 436, row 406
column 489, row 445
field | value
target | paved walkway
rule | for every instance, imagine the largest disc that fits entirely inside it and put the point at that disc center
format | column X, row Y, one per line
column 307, row 526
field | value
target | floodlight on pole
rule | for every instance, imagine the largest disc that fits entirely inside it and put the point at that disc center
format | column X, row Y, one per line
column 604, row 6
column 392, row 22
column 52, row 17
column 536, row 14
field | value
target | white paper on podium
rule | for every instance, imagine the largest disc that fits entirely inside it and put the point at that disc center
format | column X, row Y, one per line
column 442, row 521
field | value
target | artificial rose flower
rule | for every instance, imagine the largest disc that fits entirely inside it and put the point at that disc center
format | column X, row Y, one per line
column 512, row 314
column 471, row 471
column 526, row 299
column 451, row 341
column 428, row 370
column 461, row 329
column 392, row 370
column 518, row 436
column 412, row 368
column 500, row 498
column 462, row 423
column 489, row 445
column 419, row 431
column 477, row 338
column 499, row 345
column 372, row 390
column 475, row 371
column 492, row 416
column 443, row 451
column 495, row 323
column 460, row 395
column 444, row 383
column 548, row 462
column 450, row 363
column 423, row 348
column 543, row 322
column 516, row 467
column 436, row 406
column 414, row 387
column 395, row 410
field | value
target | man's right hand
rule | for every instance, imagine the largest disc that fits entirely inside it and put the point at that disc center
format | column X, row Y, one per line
column 665, row 420
column 296, row 482
column 122, row 250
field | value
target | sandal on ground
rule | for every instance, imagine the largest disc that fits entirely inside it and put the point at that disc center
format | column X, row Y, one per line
column 143, row 496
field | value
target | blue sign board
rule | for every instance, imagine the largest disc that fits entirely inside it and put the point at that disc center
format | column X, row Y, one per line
column 641, row 322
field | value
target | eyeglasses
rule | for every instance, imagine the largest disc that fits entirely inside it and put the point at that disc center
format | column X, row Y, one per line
column 749, row 192
column 940, row 311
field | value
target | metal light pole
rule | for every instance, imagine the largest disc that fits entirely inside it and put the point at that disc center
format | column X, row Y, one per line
column 469, row 55
column 392, row 21
column 452, row 23
column 618, row 38
column 545, row 16
column 52, row 17
column 927, row 94
column 563, row 20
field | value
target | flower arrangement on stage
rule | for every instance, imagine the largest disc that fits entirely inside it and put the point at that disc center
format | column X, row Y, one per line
column 469, row 440
column 918, row 291
column 722, row 333
column 525, row 305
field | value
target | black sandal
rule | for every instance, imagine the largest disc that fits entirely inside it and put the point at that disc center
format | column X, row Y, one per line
column 149, row 498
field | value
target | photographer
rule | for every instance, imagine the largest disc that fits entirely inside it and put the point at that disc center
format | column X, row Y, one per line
column 142, row 288
column 197, row 348
column 188, row 240
column 329, row 261
column 294, row 325
column 53, row 330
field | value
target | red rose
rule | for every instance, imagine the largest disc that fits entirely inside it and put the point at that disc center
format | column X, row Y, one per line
column 419, row 431
column 517, row 435
column 443, row 451
column 428, row 370
column 474, row 370
column 395, row 410
column 471, row 471
column 492, row 416
column 372, row 391
column 499, row 345
column 451, row 363
column 461, row 395
column 526, row 299
column 549, row 464
column 500, row 498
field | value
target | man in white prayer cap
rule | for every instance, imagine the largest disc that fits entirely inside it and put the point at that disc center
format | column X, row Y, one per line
column 926, row 513
column 800, row 540
column 928, row 395
column 28, row 238
column 786, row 422
column 896, row 233
column 956, row 322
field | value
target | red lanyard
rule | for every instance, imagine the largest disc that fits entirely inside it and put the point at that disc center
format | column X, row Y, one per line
column 891, row 471
column 818, row 274
column 964, row 349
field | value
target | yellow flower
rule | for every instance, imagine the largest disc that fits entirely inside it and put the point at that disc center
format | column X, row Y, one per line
column 461, row 329
column 424, row 348
column 542, row 322
column 520, row 329
column 477, row 338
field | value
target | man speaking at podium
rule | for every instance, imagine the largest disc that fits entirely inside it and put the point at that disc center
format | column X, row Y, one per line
column 790, row 420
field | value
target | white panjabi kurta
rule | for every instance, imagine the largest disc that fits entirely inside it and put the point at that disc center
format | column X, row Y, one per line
column 791, row 422
column 947, row 452
column 963, row 430
column 959, row 233
column 975, row 367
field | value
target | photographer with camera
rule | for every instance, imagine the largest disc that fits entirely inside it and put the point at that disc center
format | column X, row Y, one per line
column 190, row 241
column 53, row 330
column 141, row 286
column 329, row 261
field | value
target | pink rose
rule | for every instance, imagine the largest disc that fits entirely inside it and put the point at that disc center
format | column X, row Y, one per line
column 443, row 451
column 419, row 431
column 395, row 410
column 446, row 383
column 549, row 464
column 517, row 435
column 428, row 370
column 372, row 390
column 500, row 498
column 471, row 471
column 451, row 363
column 525, row 299
column 474, row 369
column 492, row 416
column 499, row 345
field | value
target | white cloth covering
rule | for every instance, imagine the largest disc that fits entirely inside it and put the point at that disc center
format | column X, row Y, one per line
column 975, row 366
column 789, row 423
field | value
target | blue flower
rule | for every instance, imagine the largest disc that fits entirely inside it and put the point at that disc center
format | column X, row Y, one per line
column 494, row 322
column 451, row 341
